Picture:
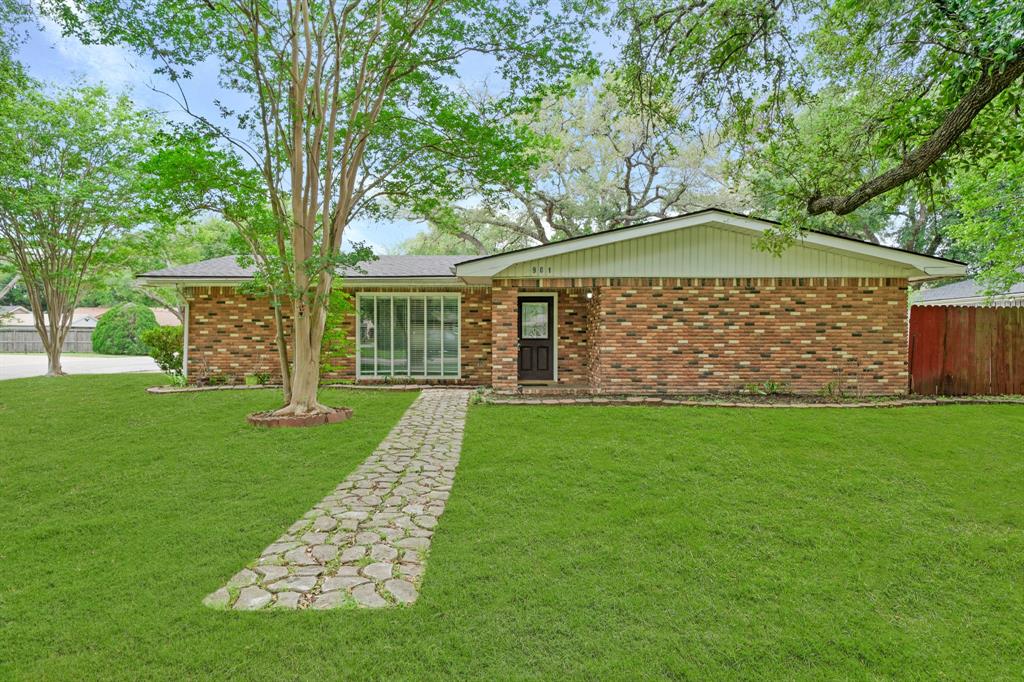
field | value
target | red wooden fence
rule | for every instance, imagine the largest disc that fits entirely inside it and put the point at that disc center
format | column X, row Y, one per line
column 960, row 350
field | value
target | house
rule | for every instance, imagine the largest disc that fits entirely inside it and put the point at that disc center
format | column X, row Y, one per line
column 969, row 292
column 18, row 332
column 682, row 305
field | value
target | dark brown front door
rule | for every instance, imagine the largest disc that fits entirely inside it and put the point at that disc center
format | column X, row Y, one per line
column 536, row 339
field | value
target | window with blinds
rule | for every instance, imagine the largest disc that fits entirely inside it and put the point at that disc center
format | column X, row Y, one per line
column 408, row 335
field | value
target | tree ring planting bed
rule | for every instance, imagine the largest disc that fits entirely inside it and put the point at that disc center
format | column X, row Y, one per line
column 270, row 420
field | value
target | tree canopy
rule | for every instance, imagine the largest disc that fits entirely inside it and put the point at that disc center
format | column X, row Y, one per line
column 845, row 100
column 69, row 184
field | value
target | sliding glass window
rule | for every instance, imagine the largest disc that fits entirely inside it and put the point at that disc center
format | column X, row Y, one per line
column 408, row 335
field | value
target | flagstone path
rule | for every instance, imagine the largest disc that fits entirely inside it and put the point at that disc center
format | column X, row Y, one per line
column 366, row 543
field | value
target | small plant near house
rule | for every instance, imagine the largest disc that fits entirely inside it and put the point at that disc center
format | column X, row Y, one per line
column 768, row 387
column 218, row 379
column 164, row 344
column 832, row 391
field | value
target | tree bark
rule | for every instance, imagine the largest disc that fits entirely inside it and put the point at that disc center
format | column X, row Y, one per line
column 307, row 338
column 956, row 123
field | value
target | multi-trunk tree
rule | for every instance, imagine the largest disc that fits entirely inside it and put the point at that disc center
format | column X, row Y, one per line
column 69, row 185
column 354, row 109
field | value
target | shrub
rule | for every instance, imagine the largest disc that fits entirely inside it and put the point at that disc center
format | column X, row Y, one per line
column 119, row 331
column 165, row 346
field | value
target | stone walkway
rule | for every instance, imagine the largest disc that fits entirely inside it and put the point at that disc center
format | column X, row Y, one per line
column 366, row 543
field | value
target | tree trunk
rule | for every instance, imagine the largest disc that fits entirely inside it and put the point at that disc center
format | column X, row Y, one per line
column 282, row 352
column 307, row 338
column 53, row 362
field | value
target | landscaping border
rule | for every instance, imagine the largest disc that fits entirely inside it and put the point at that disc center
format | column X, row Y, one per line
column 160, row 390
column 645, row 400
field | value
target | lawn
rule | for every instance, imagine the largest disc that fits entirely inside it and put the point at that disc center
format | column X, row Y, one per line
column 580, row 542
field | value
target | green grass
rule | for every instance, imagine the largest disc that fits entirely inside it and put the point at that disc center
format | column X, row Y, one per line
column 580, row 542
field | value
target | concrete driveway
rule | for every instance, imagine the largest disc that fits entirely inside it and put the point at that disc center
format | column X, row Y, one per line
column 19, row 365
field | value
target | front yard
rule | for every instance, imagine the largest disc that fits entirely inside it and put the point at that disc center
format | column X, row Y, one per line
column 579, row 541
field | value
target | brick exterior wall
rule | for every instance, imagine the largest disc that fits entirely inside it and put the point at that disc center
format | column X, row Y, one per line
column 504, row 338
column 698, row 336
column 230, row 334
column 475, row 342
column 632, row 336
column 233, row 335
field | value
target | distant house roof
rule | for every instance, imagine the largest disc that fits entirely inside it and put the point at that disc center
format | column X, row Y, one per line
column 12, row 309
column 968, row 292
column 227, row 268
column 85, row 318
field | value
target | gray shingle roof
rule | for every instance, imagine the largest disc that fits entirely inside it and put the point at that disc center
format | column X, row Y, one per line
column 967, row 288
column 227, row 267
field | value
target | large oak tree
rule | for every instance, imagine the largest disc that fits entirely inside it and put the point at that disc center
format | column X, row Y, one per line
column 898, row 91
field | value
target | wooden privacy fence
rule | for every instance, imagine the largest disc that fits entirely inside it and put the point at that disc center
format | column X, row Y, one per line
column 26, row 340
column 960, row 350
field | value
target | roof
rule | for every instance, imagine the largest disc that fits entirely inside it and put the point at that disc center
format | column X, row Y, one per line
column 10, row 309
column 965, row 292
column 227, row 268
column 468, row 269
column 87, row 317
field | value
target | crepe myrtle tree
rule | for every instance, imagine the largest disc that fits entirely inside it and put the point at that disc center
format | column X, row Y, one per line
column 354, row 109
column 895, row 91
column 70, row 185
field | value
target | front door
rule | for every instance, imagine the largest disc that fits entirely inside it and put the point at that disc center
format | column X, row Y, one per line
column 536, row 339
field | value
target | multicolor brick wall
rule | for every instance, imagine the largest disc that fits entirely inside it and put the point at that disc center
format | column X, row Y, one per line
column 632, row 335
column 229, row 334
column 232, row 334
column 718, row 335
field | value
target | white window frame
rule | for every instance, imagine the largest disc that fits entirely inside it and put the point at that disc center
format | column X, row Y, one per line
column 409, row 296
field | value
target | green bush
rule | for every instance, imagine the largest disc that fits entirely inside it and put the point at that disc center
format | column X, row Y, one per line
column 165, row 346
column 119, row 331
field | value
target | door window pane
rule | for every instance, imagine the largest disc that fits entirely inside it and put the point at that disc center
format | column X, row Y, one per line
column 535, row 320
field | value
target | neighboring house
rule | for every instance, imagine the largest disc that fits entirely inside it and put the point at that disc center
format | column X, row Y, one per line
column 18, row 330
column 684, row 305
column 13, row 310
column 969, row 293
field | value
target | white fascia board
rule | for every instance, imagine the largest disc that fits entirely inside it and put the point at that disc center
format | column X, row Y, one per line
column 929, row 267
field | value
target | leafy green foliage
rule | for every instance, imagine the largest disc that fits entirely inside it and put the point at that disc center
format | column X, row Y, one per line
column 70, row 186
column 823, row 97
column 336, row 344
column 166, row 346
column 603, row 164
column 120, row 330
column 990, row 198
